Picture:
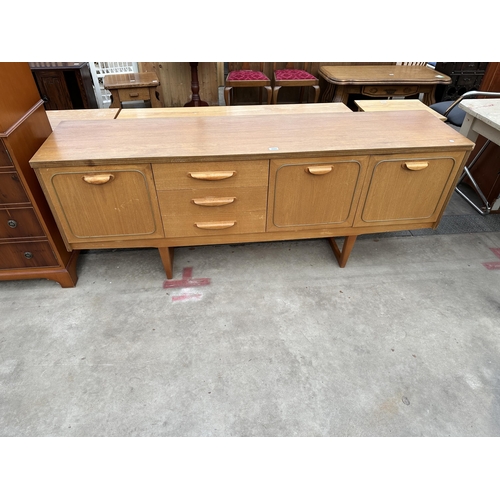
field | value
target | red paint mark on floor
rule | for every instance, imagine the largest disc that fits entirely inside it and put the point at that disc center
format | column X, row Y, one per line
column 187, row 296
column 492, row 265
column 496, row 251
column 187, row 281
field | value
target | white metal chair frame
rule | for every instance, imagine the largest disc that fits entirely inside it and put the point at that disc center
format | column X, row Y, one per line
column 467, row 169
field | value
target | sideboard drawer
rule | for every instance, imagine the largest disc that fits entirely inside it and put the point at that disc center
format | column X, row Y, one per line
column 11, row 189
column 19, row 223
column 182, row 210
column 104, row 203
column 26, row 254
column 389, row 90
column 406, row 189
column 211, row 174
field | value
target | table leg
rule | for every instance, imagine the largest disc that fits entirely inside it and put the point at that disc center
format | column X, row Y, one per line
column 343, row 255
column 167, row 258
column 155, row 102
column 115, row 99
column 195, row 88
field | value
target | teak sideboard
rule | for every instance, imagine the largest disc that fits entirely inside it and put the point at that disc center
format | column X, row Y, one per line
column 184, row 181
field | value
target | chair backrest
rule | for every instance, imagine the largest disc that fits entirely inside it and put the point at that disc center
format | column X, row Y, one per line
column 255, row 66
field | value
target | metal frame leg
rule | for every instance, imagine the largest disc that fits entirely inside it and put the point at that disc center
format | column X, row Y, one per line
column 467, row 173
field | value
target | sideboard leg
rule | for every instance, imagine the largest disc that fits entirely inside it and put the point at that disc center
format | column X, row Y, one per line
column 343, row 255
column 167, row 258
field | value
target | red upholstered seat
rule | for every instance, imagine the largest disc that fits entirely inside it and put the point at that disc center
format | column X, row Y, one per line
column 293, row 74
column 244, row 74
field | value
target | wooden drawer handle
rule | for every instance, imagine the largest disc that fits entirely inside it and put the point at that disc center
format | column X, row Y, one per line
column 211, row 176
column 416, row 165
column 215, row 225
column 213, row 202
column 320, row 170
column 98, row 178
column 134, row 94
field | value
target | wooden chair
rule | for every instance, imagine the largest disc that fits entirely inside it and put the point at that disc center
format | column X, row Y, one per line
column 246, row 77
column 292, row 77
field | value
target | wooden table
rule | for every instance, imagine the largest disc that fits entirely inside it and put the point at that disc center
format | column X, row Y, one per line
column 133, row 87
column 264, row 109
column 396, row 105
column 380, row 81
column 57, row 116
column 482, row 118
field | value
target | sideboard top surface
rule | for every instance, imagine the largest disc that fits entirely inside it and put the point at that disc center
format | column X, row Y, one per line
column 109, row 142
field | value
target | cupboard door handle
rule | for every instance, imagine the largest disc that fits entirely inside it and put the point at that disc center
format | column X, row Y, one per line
column 416, row 165
column 213, row 202
column 320, row 170
column 211, row 176
column 98, row 178
column 215, row 225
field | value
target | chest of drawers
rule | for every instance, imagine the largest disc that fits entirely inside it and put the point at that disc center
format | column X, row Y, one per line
column 174, row 182
column 30, row 244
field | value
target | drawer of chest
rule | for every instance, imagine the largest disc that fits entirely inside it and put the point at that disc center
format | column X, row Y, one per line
column 26, row 254
column 11, row 189
column 19, row 223
column 139, row 94
column 199, row 175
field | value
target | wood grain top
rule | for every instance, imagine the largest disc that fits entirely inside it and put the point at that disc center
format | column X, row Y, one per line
column 265, row 109
column 382, row 75
column 127, row 80
column 244, row 137
column 395, row 105
column 56, row 116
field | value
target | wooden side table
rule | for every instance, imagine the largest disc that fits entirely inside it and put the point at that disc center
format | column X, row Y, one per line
column 381, row 81
column 132, row 87
column 396, row 105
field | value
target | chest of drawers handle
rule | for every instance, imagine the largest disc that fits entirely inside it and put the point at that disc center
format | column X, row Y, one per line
column 12, row 223
column 212, row 176
column 97, row 179
column 215, row 225
column 320, row 170
column 416, row 165
column 213, row 202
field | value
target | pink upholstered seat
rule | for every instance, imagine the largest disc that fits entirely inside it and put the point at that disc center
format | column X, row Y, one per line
column 294, row 77
column 246, row 74
column 293, row 74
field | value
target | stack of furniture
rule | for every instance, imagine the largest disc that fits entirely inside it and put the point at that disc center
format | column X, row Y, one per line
column 30, row 243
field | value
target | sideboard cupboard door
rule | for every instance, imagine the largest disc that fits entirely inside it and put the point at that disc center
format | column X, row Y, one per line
column 314, row 192
column 402, row 189
column 101, row 203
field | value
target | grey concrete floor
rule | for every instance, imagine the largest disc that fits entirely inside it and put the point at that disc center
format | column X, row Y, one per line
column 404, row 341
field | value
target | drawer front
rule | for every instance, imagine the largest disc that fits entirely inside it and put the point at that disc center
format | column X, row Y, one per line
column 406, row 189
column 388, row 90
column 26, row 254
column 201, row 175
column 19, row 223
column 210, row 225
column 11, row 189
column 183, row 210
column 139, row 94
column 104, row 203
column 5, row 160
column 312, row 193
